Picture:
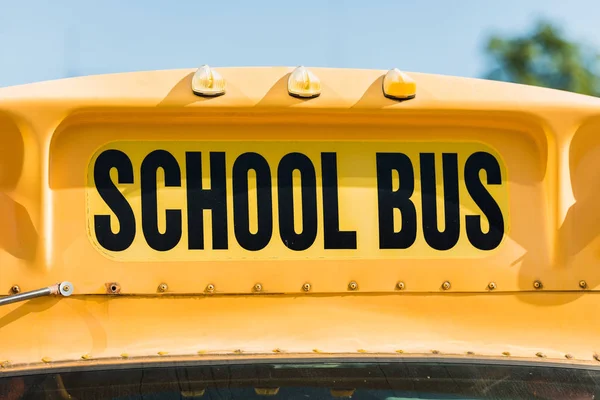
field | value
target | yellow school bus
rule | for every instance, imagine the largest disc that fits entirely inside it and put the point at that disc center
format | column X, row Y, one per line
column 298, row 233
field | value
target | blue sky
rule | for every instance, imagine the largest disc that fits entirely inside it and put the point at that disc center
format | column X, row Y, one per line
column 44, row 39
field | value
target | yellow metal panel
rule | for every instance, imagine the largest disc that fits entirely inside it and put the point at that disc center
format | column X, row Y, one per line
column 548, row 150
column 521, row 197
column 521, row 325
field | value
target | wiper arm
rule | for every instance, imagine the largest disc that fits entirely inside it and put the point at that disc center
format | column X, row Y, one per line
column 64, row 289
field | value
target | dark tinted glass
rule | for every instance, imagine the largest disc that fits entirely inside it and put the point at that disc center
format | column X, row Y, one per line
column 306, row 381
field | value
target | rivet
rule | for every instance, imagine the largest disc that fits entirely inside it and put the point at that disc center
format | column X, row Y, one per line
column 361, row 350
column 238, row 351
column 435, row 352
column 4, row 364
column 540, row 354
column 400, row 351
column 15, row 289
column 400, row 285
column 317, row 351
column 492, row 285
column 124, row 355
column 583, row 284
column 568, row 356
column 306, row 287
column 46, row 359
column 446, row 285
column 113, row 288
column 596, row 356
column 163, row 287
column 276, row 350
column 163, row 353
column 86, row 357
column 470, row 353
column 505, row 353
column 210, row 288
column 353, row 285
column 200, row 352
column 537, row 284
column 258, row 287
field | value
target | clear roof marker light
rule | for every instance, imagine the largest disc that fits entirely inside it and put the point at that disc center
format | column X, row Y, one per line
column 208, row 82
column 304, row 84
column 398, row 86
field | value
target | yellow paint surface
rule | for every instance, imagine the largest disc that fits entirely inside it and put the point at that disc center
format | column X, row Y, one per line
column 251, row 326
column 546, row 143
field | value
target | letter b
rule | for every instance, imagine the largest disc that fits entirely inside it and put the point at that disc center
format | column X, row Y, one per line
column 388, row 199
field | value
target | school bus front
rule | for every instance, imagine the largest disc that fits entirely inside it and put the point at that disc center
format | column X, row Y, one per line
column 349, row 221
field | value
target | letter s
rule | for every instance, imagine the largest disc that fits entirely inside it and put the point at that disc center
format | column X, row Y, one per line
column 121, row 240
column 475, row 163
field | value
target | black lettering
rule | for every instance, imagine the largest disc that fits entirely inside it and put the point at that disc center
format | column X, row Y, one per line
column 169, row 239
column 436, row 239
column 121, row 240
column 333, row 237
column 241, row 218
column 287, row 165
column 199, row 199
column 475, row 163
column 388, row 199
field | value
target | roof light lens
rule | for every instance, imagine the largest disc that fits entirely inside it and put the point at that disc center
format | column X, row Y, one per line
column 304, row 84
column 399, row 86
column 208, row 82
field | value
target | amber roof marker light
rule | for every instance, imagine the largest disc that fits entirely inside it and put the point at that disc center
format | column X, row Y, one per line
column 397, row 85
column 304, row 84
column 207, row 82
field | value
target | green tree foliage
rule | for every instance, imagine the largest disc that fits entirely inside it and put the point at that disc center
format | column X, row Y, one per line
column 544, row 57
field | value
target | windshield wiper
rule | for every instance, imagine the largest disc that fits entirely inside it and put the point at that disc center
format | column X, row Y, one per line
column 64, row 289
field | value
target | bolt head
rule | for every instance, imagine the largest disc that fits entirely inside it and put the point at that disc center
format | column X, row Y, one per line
column 446, row 285
column 15, row 289
column 163, row 287
column 400, row 285
column 258, row 287
column 537, row 284
column 113, row 288
column 583, row 284
column 65, row 288
column 353, row 285
column 306, row 287
column 210, row 288
column 492, row 285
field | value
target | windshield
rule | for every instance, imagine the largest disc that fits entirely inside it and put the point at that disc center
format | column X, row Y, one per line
column 329, row 380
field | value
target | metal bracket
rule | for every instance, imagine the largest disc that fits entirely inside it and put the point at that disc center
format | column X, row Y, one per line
column 64, row 289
